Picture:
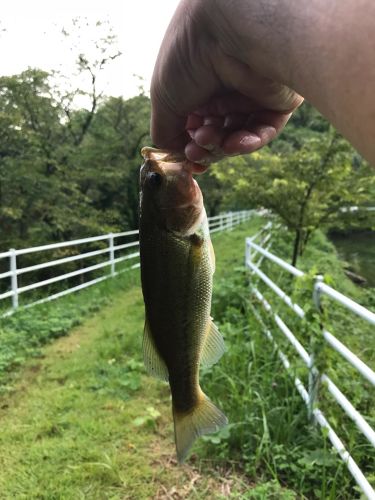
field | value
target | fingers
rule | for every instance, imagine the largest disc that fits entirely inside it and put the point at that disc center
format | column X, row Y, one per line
column 234, row 134
column 168, row 129
column 199, row 155
column 278, row 98
column 210, row 137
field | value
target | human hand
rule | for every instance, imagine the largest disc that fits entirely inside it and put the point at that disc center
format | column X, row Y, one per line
column 217, row 88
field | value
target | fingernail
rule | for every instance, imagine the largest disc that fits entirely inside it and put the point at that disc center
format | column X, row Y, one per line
column 249, row 140
column 267, row 130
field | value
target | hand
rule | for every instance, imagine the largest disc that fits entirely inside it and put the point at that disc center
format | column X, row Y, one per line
column 216, row 89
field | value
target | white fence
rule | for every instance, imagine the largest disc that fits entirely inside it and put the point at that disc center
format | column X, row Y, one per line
column 354, row 208
column 109, row 246
column 310, row 395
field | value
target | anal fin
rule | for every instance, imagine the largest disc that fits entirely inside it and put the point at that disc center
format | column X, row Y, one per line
column 213, row 347
column 154, row 364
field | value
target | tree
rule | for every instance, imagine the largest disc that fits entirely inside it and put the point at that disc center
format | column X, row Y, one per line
column 212, row 189
column 31, row 135
column 42, row 132
column 89, row 65
column 109, row 158
column 306, row 188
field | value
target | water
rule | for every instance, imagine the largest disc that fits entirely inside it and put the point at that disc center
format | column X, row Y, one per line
column 358, row 249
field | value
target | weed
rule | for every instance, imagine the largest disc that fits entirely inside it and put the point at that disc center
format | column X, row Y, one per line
column 84, row 421
column 269, row 434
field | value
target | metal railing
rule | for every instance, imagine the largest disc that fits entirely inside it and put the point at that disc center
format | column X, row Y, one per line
column 357, row 209
column 110, row 250
column 309, row 395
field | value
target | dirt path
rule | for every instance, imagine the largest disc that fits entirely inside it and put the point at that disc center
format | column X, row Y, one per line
column 84, row 421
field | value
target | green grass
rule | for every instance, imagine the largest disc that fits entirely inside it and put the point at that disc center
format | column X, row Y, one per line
column 25, row 332
column 80, row 418
column 85, row 422
column 268, row 436
column 321, row 258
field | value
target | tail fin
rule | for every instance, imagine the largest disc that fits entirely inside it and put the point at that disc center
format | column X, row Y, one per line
column 205, row 418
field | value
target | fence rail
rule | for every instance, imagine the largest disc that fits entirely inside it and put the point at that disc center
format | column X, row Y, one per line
column 113, row 246
column 315, row 378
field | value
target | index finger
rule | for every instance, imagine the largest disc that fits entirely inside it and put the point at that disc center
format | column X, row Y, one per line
column 167, row 127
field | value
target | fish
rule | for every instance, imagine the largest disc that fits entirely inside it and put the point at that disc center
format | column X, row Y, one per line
column 177, row 266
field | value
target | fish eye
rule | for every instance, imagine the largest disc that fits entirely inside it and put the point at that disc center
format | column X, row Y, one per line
column 155, row 179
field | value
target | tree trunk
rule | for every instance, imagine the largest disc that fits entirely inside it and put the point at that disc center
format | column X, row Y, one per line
column 297, row 240
column 306, row 238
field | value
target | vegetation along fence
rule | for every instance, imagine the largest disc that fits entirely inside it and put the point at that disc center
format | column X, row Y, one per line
column 309, row 395
column 74, row 253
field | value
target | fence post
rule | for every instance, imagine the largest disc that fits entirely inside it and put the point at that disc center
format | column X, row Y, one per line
column 314, row 376
column 247, row 251
column 13, row 277
column 230, row 217
column 316, row 292
column 112, row 253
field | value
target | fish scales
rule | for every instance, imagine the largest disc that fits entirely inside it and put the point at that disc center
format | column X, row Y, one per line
column 177, row 265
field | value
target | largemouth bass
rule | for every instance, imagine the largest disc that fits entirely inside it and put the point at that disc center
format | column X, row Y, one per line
column 177, row 265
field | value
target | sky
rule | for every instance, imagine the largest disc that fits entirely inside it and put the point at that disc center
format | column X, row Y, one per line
column 32, row 37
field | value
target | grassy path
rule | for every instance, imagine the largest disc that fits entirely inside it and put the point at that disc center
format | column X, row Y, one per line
column 84, row 421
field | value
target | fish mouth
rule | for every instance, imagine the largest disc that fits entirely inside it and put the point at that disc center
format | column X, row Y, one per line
column 162, row 155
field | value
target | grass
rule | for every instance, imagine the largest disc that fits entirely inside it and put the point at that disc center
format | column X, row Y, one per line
column 23, row 334
column 85, row 422
column 80, row 419
column 321, row 258
column 269, row 437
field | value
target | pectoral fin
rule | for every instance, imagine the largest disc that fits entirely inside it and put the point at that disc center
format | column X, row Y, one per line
column 154, row 364
column 213, row 347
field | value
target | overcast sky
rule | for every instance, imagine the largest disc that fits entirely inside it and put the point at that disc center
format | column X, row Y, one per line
column 33, row 37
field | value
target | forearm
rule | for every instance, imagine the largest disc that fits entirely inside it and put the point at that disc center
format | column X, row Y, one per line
column 323, row 49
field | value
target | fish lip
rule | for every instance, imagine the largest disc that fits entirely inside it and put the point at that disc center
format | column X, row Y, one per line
column 164, row 155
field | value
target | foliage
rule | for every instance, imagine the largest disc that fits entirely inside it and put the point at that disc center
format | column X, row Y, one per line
column 82, row 419
column 91, row 56
column 268, row 435
column 112, row 147
column 67, row 172
column 23, row 334
column 306, row 180
column 94, row 425
column 212, row 188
